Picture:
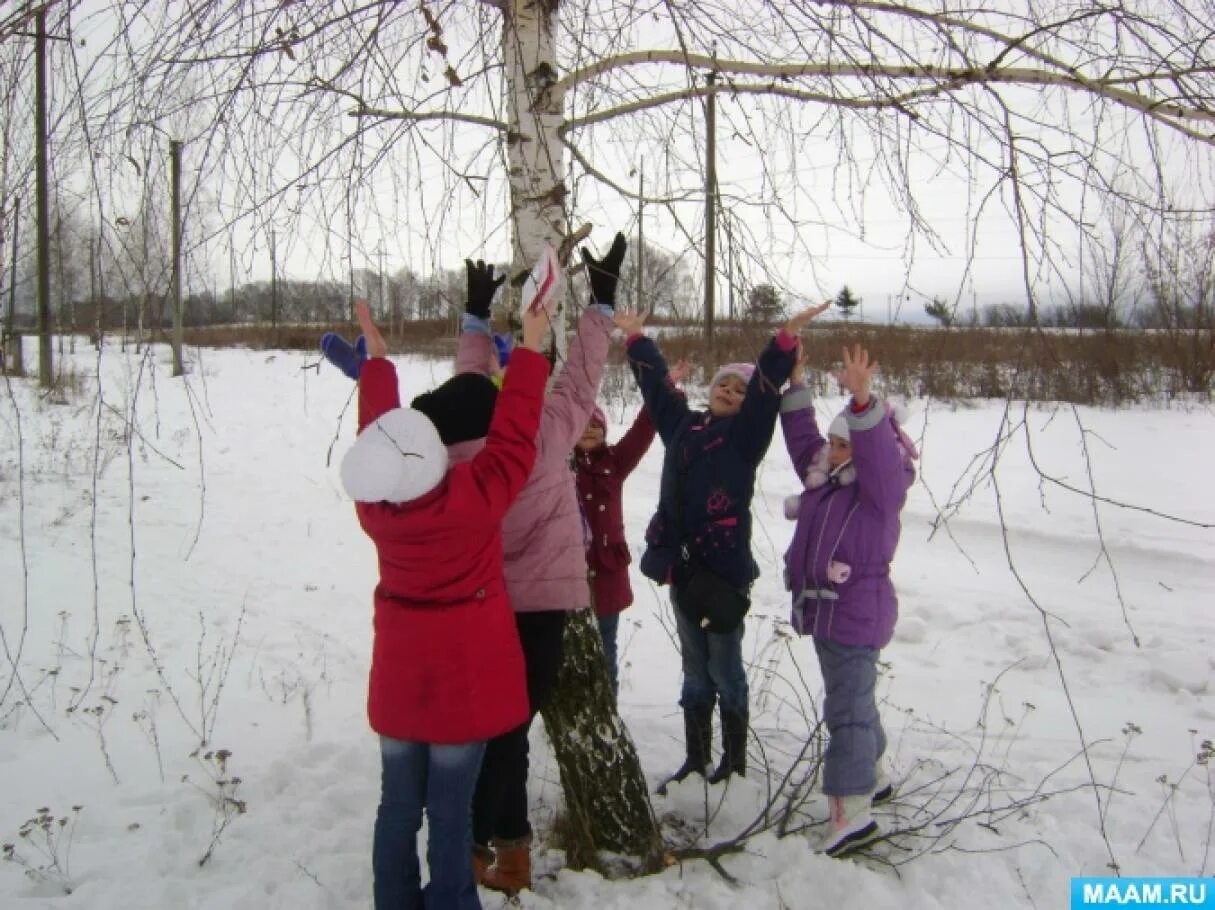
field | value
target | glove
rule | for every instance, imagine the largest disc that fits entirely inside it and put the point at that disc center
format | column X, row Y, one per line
column 605, row 272
column 504, row 343
column 481, row 287
column 347, row 358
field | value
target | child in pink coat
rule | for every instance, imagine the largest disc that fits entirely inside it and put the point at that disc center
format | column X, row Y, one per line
column 542, row 547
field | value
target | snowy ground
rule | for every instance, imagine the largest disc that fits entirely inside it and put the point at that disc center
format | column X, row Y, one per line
column 209, row 579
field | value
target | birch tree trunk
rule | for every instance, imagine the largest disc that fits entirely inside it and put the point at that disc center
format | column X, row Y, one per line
column 606, row 797
column 607, row 802
column 534, row 153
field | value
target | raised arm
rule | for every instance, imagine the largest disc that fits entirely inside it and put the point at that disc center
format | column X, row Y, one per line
column 378, row 389
column 803, row 439
column 756, row 420
column 667, row 406
column 475, row 347
column 499, row 471
column 883, row 472
column 635, row 443
column 572, row 396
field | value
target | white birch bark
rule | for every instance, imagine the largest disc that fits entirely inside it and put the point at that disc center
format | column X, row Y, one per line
column 534, row 151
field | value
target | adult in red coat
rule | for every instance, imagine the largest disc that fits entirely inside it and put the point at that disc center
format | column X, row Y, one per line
column 447, row 669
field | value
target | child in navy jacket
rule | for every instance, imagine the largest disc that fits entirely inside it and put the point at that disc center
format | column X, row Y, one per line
column 703, row 522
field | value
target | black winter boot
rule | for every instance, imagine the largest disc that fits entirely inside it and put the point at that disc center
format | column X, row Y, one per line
column 733, row 746
column 698, row 735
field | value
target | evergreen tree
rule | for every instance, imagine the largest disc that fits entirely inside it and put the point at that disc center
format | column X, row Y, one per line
column 847, row 301
column 940, row 311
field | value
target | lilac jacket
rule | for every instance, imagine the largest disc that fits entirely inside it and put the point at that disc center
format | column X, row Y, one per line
column 542, row 538
column 855, row 523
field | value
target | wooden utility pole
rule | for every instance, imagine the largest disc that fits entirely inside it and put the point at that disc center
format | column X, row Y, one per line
column 14, row 356
column 98, row 305
column 42, row 204
column 383, row 307
column 730, row 268
column 639, row 257
column 175, row 175
column 710, row 205
column 67, row 292
column 273, row 284
column 232, row 280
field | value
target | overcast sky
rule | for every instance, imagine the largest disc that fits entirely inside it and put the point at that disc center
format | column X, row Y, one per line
column 819, row 204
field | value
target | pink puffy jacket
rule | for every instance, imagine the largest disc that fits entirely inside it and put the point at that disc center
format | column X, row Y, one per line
column 542, row 537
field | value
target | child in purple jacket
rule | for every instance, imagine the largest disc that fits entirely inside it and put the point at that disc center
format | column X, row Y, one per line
column 838, row 570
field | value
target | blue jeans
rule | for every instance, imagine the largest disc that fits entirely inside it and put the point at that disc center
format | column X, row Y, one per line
column 712, row 666
column 608, row 628
column 856, row 738
column 441, row 780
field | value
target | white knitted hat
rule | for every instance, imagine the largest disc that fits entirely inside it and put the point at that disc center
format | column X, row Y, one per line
column 396, row 458
column 839, row 427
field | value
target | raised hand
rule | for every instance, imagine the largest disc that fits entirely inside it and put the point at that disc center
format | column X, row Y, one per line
column 631, row 322
column 605, row 272
column 375, row 341
column 536, row 324
column 679, row 372
column 347, row 357
column 798, row 374
column 800, row 320
column 482, row 285
column 857, row 373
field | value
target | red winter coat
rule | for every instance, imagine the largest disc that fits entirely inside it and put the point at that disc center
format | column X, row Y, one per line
column 446, row 664
column 600, row 477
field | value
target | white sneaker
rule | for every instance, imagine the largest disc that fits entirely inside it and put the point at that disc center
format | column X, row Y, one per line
column 851, row 825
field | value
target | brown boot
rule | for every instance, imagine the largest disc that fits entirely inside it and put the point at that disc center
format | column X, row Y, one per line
column 482, row 858
column 512, row 870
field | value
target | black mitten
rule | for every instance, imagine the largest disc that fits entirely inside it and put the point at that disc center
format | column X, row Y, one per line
column 482, row 285
column 605, row 272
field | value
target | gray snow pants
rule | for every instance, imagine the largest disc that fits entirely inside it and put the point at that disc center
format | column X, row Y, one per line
column 856, row 739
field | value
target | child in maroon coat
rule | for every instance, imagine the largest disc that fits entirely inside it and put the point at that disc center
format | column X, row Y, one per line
column 600, row 471
column 447, row 669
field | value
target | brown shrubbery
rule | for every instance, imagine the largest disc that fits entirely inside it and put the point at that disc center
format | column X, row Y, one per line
column 1084, row 367
column 1028, row 363
column 433, row 336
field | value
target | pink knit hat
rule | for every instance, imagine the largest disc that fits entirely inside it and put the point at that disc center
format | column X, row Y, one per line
column 743, row 371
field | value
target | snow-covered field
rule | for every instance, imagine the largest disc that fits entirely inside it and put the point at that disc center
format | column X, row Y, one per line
column 178, row 561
